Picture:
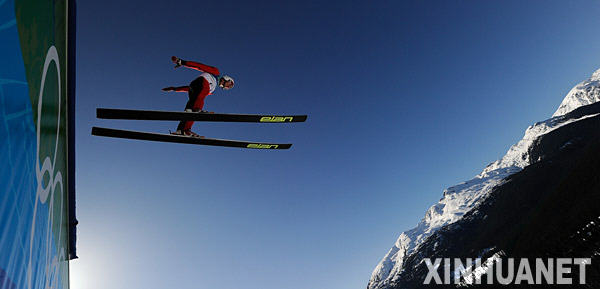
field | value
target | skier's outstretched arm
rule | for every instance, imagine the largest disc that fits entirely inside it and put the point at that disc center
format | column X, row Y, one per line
column 177, row 88
column 196, row 65
column 201, row 67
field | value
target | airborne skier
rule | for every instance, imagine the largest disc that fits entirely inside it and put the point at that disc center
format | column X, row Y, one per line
column 197, row 90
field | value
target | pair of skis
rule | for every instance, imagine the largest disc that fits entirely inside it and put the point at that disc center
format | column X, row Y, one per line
column 109, row 113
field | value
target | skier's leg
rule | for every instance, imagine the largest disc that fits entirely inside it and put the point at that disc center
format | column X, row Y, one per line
column 204, row 90
column 201, row 87
column 188, row 106
column 192, row 96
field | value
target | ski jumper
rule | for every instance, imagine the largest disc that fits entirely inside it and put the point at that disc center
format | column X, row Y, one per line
column 198, row 89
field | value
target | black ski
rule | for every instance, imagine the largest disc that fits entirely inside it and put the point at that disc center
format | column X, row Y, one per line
column 112, row 113
column 109, row 132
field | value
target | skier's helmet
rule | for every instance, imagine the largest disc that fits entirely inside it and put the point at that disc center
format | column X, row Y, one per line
column 227, row 82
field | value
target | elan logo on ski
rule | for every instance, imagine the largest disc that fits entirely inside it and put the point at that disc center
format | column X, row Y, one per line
column 262, row 146
column 277, row 119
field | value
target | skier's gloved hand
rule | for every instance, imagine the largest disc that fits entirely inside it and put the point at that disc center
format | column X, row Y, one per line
column 177, row 61
column 170, row 88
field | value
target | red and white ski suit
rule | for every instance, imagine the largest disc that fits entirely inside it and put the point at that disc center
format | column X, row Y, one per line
column 198, row 89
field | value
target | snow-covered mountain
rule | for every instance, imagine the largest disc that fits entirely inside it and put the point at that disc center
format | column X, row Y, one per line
column 460, row 199
column 587, row 92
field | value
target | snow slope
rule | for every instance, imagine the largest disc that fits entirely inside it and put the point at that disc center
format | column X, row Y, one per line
column 459, row 199
column 584, row 93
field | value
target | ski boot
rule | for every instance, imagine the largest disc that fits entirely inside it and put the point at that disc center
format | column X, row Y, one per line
column 186, row 132
column 198, row 111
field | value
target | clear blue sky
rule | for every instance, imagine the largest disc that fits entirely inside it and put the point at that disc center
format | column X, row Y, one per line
column 404, row 98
